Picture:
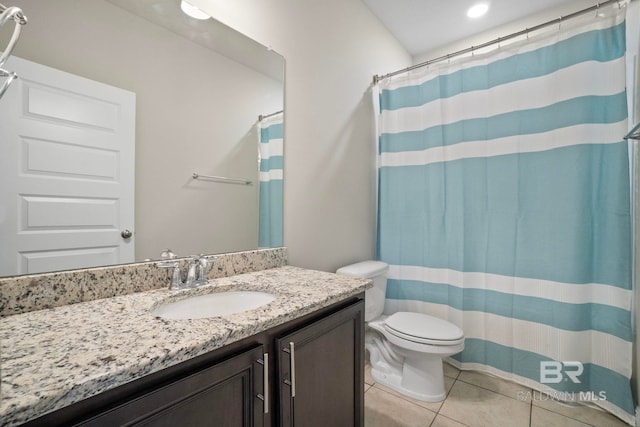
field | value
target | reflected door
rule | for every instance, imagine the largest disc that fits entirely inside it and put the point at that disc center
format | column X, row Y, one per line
column 67, row 149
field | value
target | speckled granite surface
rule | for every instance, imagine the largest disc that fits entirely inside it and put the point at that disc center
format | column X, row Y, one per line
column 22, row 294
column 52, row 358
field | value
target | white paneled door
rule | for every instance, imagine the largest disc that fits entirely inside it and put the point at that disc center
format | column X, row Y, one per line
column 67, row 147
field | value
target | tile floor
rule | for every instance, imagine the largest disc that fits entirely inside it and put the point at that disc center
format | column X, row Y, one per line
column 475, row 400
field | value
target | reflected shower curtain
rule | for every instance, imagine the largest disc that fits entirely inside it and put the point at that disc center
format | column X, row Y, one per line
column 504, row 207
column 271, row 188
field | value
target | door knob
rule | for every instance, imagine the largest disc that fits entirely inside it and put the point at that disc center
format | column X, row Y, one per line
column 126, row 234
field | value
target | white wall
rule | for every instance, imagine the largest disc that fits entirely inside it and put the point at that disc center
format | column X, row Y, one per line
column 332, row 50
column 196, row 112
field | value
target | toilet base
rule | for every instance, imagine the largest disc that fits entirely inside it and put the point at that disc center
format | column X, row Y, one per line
column 421, row 378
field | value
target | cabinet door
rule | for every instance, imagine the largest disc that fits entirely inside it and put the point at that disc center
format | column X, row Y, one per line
column 320, row 372
column 225, row 395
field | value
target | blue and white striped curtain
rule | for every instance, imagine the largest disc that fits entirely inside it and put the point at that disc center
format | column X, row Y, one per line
column 504, row 207
column 271, row 184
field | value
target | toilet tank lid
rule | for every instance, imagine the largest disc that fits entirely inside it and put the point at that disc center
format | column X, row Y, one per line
column 364, row 269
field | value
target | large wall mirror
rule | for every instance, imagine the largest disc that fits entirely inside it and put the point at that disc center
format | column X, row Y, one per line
column 199, row 88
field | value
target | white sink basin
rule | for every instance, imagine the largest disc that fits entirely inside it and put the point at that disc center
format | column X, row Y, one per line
column 212, row 305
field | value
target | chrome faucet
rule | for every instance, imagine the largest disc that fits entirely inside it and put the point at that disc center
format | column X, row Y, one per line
column 197, row 267
column 205, row 265
column 197, row 272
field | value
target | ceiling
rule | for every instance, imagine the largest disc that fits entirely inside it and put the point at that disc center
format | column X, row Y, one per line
column 209, row 33
column 424, row 25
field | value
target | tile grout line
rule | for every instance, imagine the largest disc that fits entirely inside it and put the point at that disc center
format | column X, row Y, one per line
column 456, row 379
column 533, row 392
column 491, row 390
column 402, row 397
column 571, row 417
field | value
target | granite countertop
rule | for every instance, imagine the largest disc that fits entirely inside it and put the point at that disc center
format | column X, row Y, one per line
column 52, row 358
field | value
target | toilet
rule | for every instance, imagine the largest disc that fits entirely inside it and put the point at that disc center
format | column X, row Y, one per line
column 406, row 349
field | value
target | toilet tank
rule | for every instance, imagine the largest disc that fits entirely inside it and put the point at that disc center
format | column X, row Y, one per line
column 374, row 297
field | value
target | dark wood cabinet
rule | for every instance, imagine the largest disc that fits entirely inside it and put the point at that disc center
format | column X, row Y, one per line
column 224, row 394
column 320, row 372
column 320, row 353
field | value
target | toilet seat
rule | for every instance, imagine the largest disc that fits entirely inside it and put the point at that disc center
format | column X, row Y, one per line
column 423, row 329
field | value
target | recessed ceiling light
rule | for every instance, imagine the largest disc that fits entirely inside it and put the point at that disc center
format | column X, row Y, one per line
column 193, row 11
column 477, row 10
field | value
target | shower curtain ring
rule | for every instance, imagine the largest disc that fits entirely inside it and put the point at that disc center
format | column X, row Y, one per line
column 597, row 9
column 560, row 23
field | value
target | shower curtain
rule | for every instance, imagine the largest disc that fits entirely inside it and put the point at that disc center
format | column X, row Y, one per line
column 271, row 188
column 504, row 207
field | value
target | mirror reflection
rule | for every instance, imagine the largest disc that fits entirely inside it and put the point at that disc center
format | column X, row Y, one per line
column 193, row 91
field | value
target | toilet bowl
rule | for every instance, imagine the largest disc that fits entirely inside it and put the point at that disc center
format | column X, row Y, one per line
column 405, row 349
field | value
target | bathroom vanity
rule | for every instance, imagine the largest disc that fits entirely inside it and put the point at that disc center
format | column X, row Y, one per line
column 295, row 361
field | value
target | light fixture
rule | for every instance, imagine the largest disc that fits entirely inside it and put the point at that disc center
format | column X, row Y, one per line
column 193, row 11
column 477, row 10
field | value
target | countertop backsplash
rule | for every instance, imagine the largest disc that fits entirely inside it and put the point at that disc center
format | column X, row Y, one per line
column 22, row 294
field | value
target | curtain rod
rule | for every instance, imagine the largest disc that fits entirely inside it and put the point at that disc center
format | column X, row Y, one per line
column 261, row 117
column 377, row 78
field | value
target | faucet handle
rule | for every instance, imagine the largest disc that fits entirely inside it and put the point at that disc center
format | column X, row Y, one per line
column 166, row 257
column 168, row 254
column 176, row 275
column 192, row 266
